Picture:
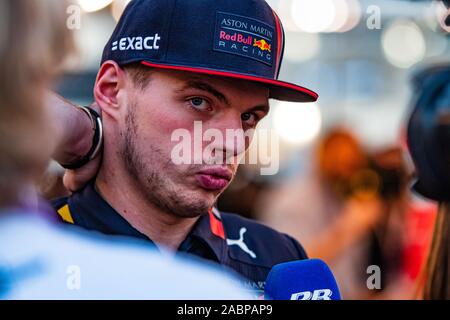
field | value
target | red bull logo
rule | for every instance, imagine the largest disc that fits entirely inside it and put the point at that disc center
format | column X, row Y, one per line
column 236, row 37
column 244, row 36
column 262, row 45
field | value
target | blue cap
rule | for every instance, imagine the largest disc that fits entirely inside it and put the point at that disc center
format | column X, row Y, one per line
column 242, row 39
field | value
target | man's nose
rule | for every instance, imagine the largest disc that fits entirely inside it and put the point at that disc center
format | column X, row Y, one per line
column 233, row 142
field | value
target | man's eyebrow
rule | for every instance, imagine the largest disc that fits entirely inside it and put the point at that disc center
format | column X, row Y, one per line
column 201, row 85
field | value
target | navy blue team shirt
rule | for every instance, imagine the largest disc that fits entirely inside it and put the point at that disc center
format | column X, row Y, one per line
column 248, row 247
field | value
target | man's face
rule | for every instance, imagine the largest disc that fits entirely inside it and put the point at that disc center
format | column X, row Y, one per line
column 176, row 100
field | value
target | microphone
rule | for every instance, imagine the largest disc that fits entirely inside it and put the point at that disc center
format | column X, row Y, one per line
column 301, row 280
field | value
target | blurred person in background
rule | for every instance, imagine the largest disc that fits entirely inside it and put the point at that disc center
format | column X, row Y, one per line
column 388, row 238
column 39, row 260
column 315, row 207
column 428, row 141
column 350, row 212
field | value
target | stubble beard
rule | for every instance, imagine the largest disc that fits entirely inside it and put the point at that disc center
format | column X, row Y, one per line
column 153, row 182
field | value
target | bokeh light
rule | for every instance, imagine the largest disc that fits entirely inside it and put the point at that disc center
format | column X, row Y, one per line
column 297, row 123
column 353, row 16
column 313, row 16
column 93, row 5
column 403, row 44
column 118, row 7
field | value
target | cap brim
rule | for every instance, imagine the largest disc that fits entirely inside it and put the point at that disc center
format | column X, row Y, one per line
column 279, row 90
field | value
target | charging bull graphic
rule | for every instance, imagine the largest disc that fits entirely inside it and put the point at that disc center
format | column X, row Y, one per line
column 263, row 45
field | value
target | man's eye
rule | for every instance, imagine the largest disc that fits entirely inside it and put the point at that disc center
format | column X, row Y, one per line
column 250, row 118
column 200, row 104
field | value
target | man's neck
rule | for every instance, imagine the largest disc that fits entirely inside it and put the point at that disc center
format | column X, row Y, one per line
column 126, row 198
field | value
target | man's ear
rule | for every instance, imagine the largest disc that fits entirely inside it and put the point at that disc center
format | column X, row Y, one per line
column 110, row 80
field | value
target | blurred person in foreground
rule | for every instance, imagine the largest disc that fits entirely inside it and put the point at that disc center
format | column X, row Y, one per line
column 165, row 70
column 350, row 211
column 429, row 144
column 42, row 261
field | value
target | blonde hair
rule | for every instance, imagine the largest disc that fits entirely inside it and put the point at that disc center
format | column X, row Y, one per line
column 34, row 40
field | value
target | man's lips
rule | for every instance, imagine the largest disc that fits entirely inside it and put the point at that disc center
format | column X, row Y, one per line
column 214, row 179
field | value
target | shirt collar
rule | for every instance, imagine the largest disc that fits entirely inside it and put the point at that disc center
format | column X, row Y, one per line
column 206, row 239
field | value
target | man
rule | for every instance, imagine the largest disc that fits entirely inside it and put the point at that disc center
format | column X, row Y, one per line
column 39, row 260
column 168, row 65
